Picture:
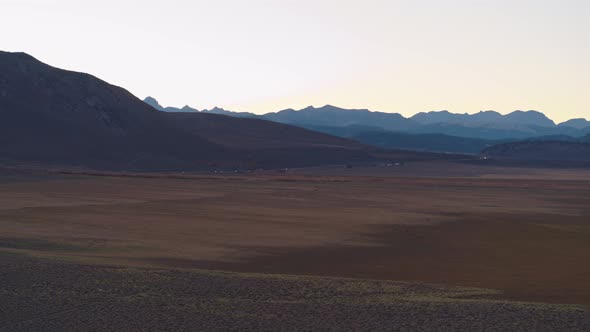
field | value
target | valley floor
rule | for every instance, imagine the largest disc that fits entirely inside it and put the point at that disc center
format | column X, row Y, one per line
column 80, row 250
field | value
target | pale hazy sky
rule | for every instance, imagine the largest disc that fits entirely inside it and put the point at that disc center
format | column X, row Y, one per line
column 263, row 55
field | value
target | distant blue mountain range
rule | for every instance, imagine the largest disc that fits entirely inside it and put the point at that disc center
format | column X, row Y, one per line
column 430, row 131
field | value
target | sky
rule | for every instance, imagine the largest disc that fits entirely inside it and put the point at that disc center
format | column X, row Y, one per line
column 259, row 56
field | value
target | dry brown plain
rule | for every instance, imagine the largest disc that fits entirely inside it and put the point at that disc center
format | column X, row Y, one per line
column 525, row 232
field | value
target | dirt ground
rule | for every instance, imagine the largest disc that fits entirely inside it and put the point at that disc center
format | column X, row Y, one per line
column 523, row 232
column 49, row 295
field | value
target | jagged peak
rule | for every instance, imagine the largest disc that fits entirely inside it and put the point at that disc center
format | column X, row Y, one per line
column 153, row 102
column 188, row 108
column 150, row 99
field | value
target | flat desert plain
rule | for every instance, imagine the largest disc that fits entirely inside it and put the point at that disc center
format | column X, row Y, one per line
column 420, row 246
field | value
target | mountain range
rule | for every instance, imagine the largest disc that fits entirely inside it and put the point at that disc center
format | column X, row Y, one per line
column 489, row 125
column 548, row 153
column 52, row 116
column 440, row 131
column 216, row 110
column 56, row 117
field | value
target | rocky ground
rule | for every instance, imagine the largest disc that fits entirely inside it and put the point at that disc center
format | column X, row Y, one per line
column 49, row 295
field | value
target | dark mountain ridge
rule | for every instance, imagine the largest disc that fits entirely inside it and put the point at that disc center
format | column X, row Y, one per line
column 409, row 141
column 50, row 115
column 427, row 142
column 58, row 117
column 559, row 152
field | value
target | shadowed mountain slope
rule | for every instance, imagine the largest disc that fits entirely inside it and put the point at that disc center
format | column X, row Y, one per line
column 54, row 116
column 542, row 151
column 408, row 141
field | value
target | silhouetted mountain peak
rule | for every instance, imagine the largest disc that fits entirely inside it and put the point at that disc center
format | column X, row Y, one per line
column 579, row 123
column 530, row 117
column 490, row 112
column 444, row 116
column 531, row 113
column 218, row 110
column 187, row 108
column 153, row 103
column 329, row 107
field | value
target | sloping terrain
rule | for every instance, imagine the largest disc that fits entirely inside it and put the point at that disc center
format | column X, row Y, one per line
column 58, row 117
column 408, row 141
column 542, row 151
column 426, row 142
